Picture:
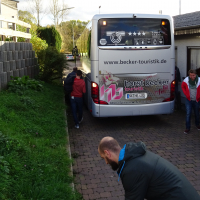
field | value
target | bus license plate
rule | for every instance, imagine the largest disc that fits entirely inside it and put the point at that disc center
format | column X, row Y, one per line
column 136, row 95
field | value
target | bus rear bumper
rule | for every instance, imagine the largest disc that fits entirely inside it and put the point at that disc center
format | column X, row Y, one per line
column 132, row 110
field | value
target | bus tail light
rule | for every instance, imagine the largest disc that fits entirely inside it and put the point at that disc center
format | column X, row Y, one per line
column 172, row 92
column 95, row 94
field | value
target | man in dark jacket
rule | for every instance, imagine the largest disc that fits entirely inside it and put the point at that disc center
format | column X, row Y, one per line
column 68, row 83
column 145, row 175
column 73, row 73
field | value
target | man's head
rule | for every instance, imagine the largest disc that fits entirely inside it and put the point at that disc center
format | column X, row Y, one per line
column 192, row 74
column 79, row 73
column 109, row 150
column 75, row 69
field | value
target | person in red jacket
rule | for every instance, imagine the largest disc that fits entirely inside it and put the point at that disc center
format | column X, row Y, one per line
column 191, row 90
column 76, row 98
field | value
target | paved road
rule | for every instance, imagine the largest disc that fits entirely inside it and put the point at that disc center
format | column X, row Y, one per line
column 163, row 134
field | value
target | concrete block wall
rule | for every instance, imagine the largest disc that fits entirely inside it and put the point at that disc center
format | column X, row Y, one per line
column 16, row 59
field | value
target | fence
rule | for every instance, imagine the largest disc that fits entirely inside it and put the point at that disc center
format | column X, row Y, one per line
column 16, row 59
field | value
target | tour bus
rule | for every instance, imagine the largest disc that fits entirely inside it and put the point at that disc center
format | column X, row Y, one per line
column 128, row 64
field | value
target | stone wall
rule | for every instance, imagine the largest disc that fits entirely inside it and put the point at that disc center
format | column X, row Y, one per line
column 16, row 59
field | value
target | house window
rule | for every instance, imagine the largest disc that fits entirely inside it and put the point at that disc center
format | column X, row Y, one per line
column 194, row 59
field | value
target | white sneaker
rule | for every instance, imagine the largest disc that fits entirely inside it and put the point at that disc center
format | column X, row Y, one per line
column 81, row 120
column 77, row 126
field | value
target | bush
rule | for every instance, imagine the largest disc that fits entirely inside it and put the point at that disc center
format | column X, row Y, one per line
column 52, row 64
column 51, row 35
column 38, row 43
column 20, row 39
column 20, row 84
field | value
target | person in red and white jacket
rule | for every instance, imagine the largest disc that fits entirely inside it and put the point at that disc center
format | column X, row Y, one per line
column 191, row 90
column 77, row 98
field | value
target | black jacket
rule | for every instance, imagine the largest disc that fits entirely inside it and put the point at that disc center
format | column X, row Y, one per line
column 146, row 175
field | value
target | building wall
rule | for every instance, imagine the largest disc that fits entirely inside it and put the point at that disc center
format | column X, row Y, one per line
column 8, row 11
column 182, row 42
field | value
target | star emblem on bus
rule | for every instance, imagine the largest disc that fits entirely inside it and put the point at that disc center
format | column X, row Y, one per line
column 143, row 33
column 134, row 33
column 130, row 33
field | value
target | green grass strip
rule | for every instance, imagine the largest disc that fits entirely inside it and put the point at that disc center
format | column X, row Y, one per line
column 34, row 163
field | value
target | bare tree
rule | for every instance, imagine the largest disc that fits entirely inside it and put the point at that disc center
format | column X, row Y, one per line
column 58, row 10
column 36, row 8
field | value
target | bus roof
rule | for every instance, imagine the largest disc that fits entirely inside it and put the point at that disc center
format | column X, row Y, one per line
column 131, row 15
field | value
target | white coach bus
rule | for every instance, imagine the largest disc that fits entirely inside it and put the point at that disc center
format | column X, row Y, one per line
column 129, row 67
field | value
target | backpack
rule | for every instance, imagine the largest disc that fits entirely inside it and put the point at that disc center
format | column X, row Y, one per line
column 68, row 84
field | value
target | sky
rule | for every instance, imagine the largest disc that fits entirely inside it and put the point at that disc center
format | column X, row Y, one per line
column 84, row 10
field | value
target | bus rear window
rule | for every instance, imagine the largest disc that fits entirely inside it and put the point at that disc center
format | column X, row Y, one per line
column 134, row 32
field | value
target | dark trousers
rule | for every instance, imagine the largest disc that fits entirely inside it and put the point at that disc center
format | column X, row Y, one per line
column 189, row 105
column 77, row 106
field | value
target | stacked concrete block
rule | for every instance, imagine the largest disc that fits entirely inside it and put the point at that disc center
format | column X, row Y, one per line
column 30, row 62
column 16, row 59
column 25, row 71
column 21, row 72
column 3, row 56
column 6, row 46
column 17, row 46
column 9, row 74
column 16, row 73
column 33, row 54
column 29, row 71
column 1, row 67
column 12, row 65
column 25, row 54
column 9, row 55
column 2, row 46
column 26, row 62
column 12, row 46
column 6, row 66
column 15, row 55
column 30, row 54
column 22, row 63
column 20, row 55
column 3, row 80
column 22, row 46
column 18, row 64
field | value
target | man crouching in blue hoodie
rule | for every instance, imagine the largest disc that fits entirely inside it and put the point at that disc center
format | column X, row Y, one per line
column 145, row 175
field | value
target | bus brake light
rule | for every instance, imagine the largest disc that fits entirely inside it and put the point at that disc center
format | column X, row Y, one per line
column 163, row 23
column 95, row 94
column 172, row 92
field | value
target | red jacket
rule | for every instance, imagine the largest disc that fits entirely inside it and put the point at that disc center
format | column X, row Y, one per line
column 185, row 88
column 78, row 88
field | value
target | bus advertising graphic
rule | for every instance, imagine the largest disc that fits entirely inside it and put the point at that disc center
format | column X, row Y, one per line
column 115, row 37
column 125, row 90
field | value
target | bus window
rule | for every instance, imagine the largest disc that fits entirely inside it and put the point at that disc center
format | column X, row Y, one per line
column 134, row 32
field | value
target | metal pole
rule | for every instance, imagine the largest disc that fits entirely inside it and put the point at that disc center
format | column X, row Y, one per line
column 99, row 9
column 179, row 7
column 73, row 33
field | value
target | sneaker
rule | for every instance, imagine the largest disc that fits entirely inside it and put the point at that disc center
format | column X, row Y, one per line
column 77, row 126
column 198, row 128
column 186, row 131
column 81, row 120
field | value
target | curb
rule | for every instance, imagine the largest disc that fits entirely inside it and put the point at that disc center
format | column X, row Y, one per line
column 69, row 149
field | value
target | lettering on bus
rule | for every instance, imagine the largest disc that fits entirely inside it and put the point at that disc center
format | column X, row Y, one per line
column 145, row 83
column 140, row 62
